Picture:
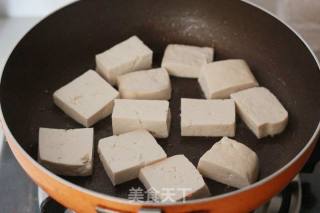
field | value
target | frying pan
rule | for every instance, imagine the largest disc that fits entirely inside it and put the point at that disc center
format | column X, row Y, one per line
column 63, row 46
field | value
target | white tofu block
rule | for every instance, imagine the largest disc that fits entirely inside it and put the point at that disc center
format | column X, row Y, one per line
column 209, row 118
column 127, row 56
column 231, row 163
column 261, row 111
column 186, row 61
column 66, row 152
column 87, row 99
column 152, row 115
column 151, row 84
column 219, row 79
column 124, row 155
column 173, row 179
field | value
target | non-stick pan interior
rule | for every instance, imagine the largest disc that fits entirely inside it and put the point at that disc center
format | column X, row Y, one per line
column 63, row 47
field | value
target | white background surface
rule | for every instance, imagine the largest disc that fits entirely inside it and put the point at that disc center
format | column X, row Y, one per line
column 30, row 8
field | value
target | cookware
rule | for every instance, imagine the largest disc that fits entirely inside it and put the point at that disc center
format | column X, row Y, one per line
column 63, row 46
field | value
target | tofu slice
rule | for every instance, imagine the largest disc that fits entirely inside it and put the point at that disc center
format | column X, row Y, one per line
column 152, row 115
column 127, row 56
column 261, row 111
column 87, row 99
column 123, row 156
column 175, row 176
column 66, row 152
column 185, row 60
column 219, row 79
column 231, row 163
column 151, row 84
column 209, row 118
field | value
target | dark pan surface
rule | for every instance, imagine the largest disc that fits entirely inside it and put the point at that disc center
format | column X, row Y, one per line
column 63, row 46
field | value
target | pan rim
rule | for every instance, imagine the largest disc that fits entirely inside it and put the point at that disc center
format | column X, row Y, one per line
column 196, row 201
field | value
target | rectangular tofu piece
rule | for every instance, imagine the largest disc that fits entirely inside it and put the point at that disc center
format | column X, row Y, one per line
column 175, row 176
column 219, row 79
column 87, row 99
column 66, row 152
column 124, row 155
column 261, row 111
column 153, row 84
column 231, row 163
column 185, row 60
column 209, row 118
column 152, row 115
column 127, row 56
